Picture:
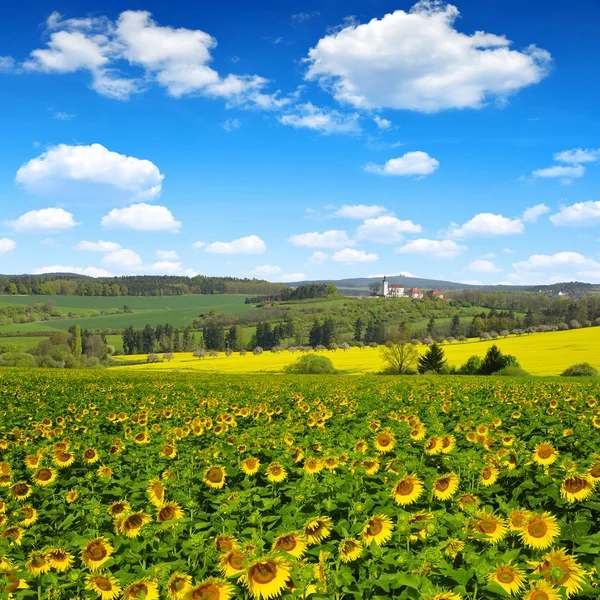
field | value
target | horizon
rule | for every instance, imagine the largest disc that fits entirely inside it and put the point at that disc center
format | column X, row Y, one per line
column 178, row 141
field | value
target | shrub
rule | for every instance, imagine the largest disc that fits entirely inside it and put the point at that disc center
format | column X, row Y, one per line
column 512, row 372
column 494, row 361
column 311, row 364
column 472, row 366
column 580, row 370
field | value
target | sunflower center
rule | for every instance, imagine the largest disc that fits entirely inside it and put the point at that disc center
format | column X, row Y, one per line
column 137, row 589
column 505, row 575
column 288, row 543
column 117, row 509
column 134, row 521
column 311, row 464
column 405, row 487
column 545, row 452
column 518, row 521
column 539, row 595
column 168, row 450
column 384, row 440
column 595, row 470
column 103, row 583
column 224, row 545
column 432, row 443
column 446, row 442
column 13, row 583
column 158, row 490
column 206, row 592
column 263, row 572
column 21, row 489
column 556, row 562
column 38, row 561
column 215, row 475
column 374, row 527
column 442, row 484
column 97, row 551
column 63, row 456
column 89, row 454
column 166, row 513
column 251, row 463
column 44, row 474
column 26, row 512
column 348, row 547
column 487, row 526
column 177, row 585
column 537, row 528
column 575, row 484
column 314, row 528
column 276, row 471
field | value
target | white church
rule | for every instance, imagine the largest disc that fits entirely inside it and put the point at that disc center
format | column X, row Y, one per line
column 396, row 290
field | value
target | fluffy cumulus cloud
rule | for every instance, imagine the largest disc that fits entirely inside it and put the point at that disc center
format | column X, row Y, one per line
column 360, row 211
column 63, row 169
column 434, row 248
column 487, row 224
column 483, row 266
column 333, row 238
column 167, row 255
column 89, row 271
column 566, row 172
column 6, row 245
column 573, row 167
column 175, row 58
column 123, row 259
column 318, row 257
column 324, row 120
column 263, row 271
column 293, row 277
column 549, row 268
column 411, row 163
column 381, row 122
column 251, row 244
column 168, row 267
column 99, row 246
column 533, row 213
column 351, row 256
column 580, row 214
column 578, row 155
column 142, row 217
column 43, row 220
column 418, row 61
column 386, row 229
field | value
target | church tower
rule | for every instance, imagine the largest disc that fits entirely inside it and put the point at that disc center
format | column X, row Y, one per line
column 384, row 287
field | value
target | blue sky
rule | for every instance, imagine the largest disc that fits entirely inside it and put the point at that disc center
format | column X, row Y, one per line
column 302, row 140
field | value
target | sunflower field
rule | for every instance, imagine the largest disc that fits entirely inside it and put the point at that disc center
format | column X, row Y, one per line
column 211, row 487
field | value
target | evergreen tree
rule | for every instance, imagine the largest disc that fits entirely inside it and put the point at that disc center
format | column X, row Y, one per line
column 369, row 333
column 148, row 338
column 358, row 328
column 455, row 326
column 315, row 336
column 327, row 332
column 432, row 360
column 431, row 327
column 75, row 343
column 529, row 320
column 214, row 336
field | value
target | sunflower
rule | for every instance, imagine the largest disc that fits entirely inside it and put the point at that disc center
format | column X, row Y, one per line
column 105, row 585
column 448, row 444
column 594, row 470
column 178, row 585
column 544, row 454
column 445, row 487
column 577, row 488
column 211, row 588
column 226, row 543
column 60, row 559
column 118, row 508
column 38, row 563
column 95, row 553
column 105, row 472
column 276, row 473
column 518, row 518
column 468, row 502
column 312, row 466
column 489, row 525
column 63, row 459
column 32, row 461
column 13, row 535
column 132, row 524
column 317, row 530
column 370, row 465
column 71, row 496
column 407, row 490
column 156, row 492
column 20, row 490
column 453, row 548
column 378, row 529
column 168, row 451
column 446, row 596
column 28, row 516
column 418, row 433
column 508, row 577
column 145, row 589
column 361, row 446
column 433, row 446
column 12, row 584
column 385, row 441
column 214, row 477
column 540, row 531
column 561, row 570
column 250, row 465
column 90, row 456
column 267, row 577
column 489, row 475
column 169, row 513
column 419, row 527
column 293, row 543
column 44, row 476
column 350, row 549
column 331, row 463
column 232, row 563
column 540, row 590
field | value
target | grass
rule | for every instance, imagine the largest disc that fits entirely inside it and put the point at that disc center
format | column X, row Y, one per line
column 539, row 354
column 22, row 342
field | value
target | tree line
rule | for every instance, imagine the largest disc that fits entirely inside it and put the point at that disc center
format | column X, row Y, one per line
column 302, row 292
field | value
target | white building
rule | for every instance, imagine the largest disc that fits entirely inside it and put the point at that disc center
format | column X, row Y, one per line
column 391, row 290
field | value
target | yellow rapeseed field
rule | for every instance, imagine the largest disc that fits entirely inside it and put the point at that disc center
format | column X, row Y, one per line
column 539, row 354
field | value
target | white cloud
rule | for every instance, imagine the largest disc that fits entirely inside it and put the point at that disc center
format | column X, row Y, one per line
column 508, row 250
column 435, row 248
column 573, row 172
column 6, row 245
column 63, row 165
column 360, row 211
column 487, row 224
column 578, row 155
column 333, row 238
column 381, row 122
column 419, row 61
column 327, row 121
column 123, row 259
column 318, row 257
column 531, row 214
column 43, row 220
column 558, row 261
column 198, row 245
column 471, row 281
column 167, row 255
column 483, row 266
column 265, row 271
column 580, row 214
column 351, row 256
column 302, row 17
column 231, row 124
column 174, row 58
column 293, row 277
column 7, row 63
column 99, row 246
column 251, row 244
column 142, row 217
column 167, row 267
column 89, row 271
column 63, row 116
column 411, row 163
column 386, row 229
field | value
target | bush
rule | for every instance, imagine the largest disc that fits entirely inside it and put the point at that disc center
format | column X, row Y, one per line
column 580, row 370
column 311, row 364
column 512, row 372
column 494, row 361
column 472, row 366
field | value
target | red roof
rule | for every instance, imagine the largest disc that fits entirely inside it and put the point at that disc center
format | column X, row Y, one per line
column 395, row 285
